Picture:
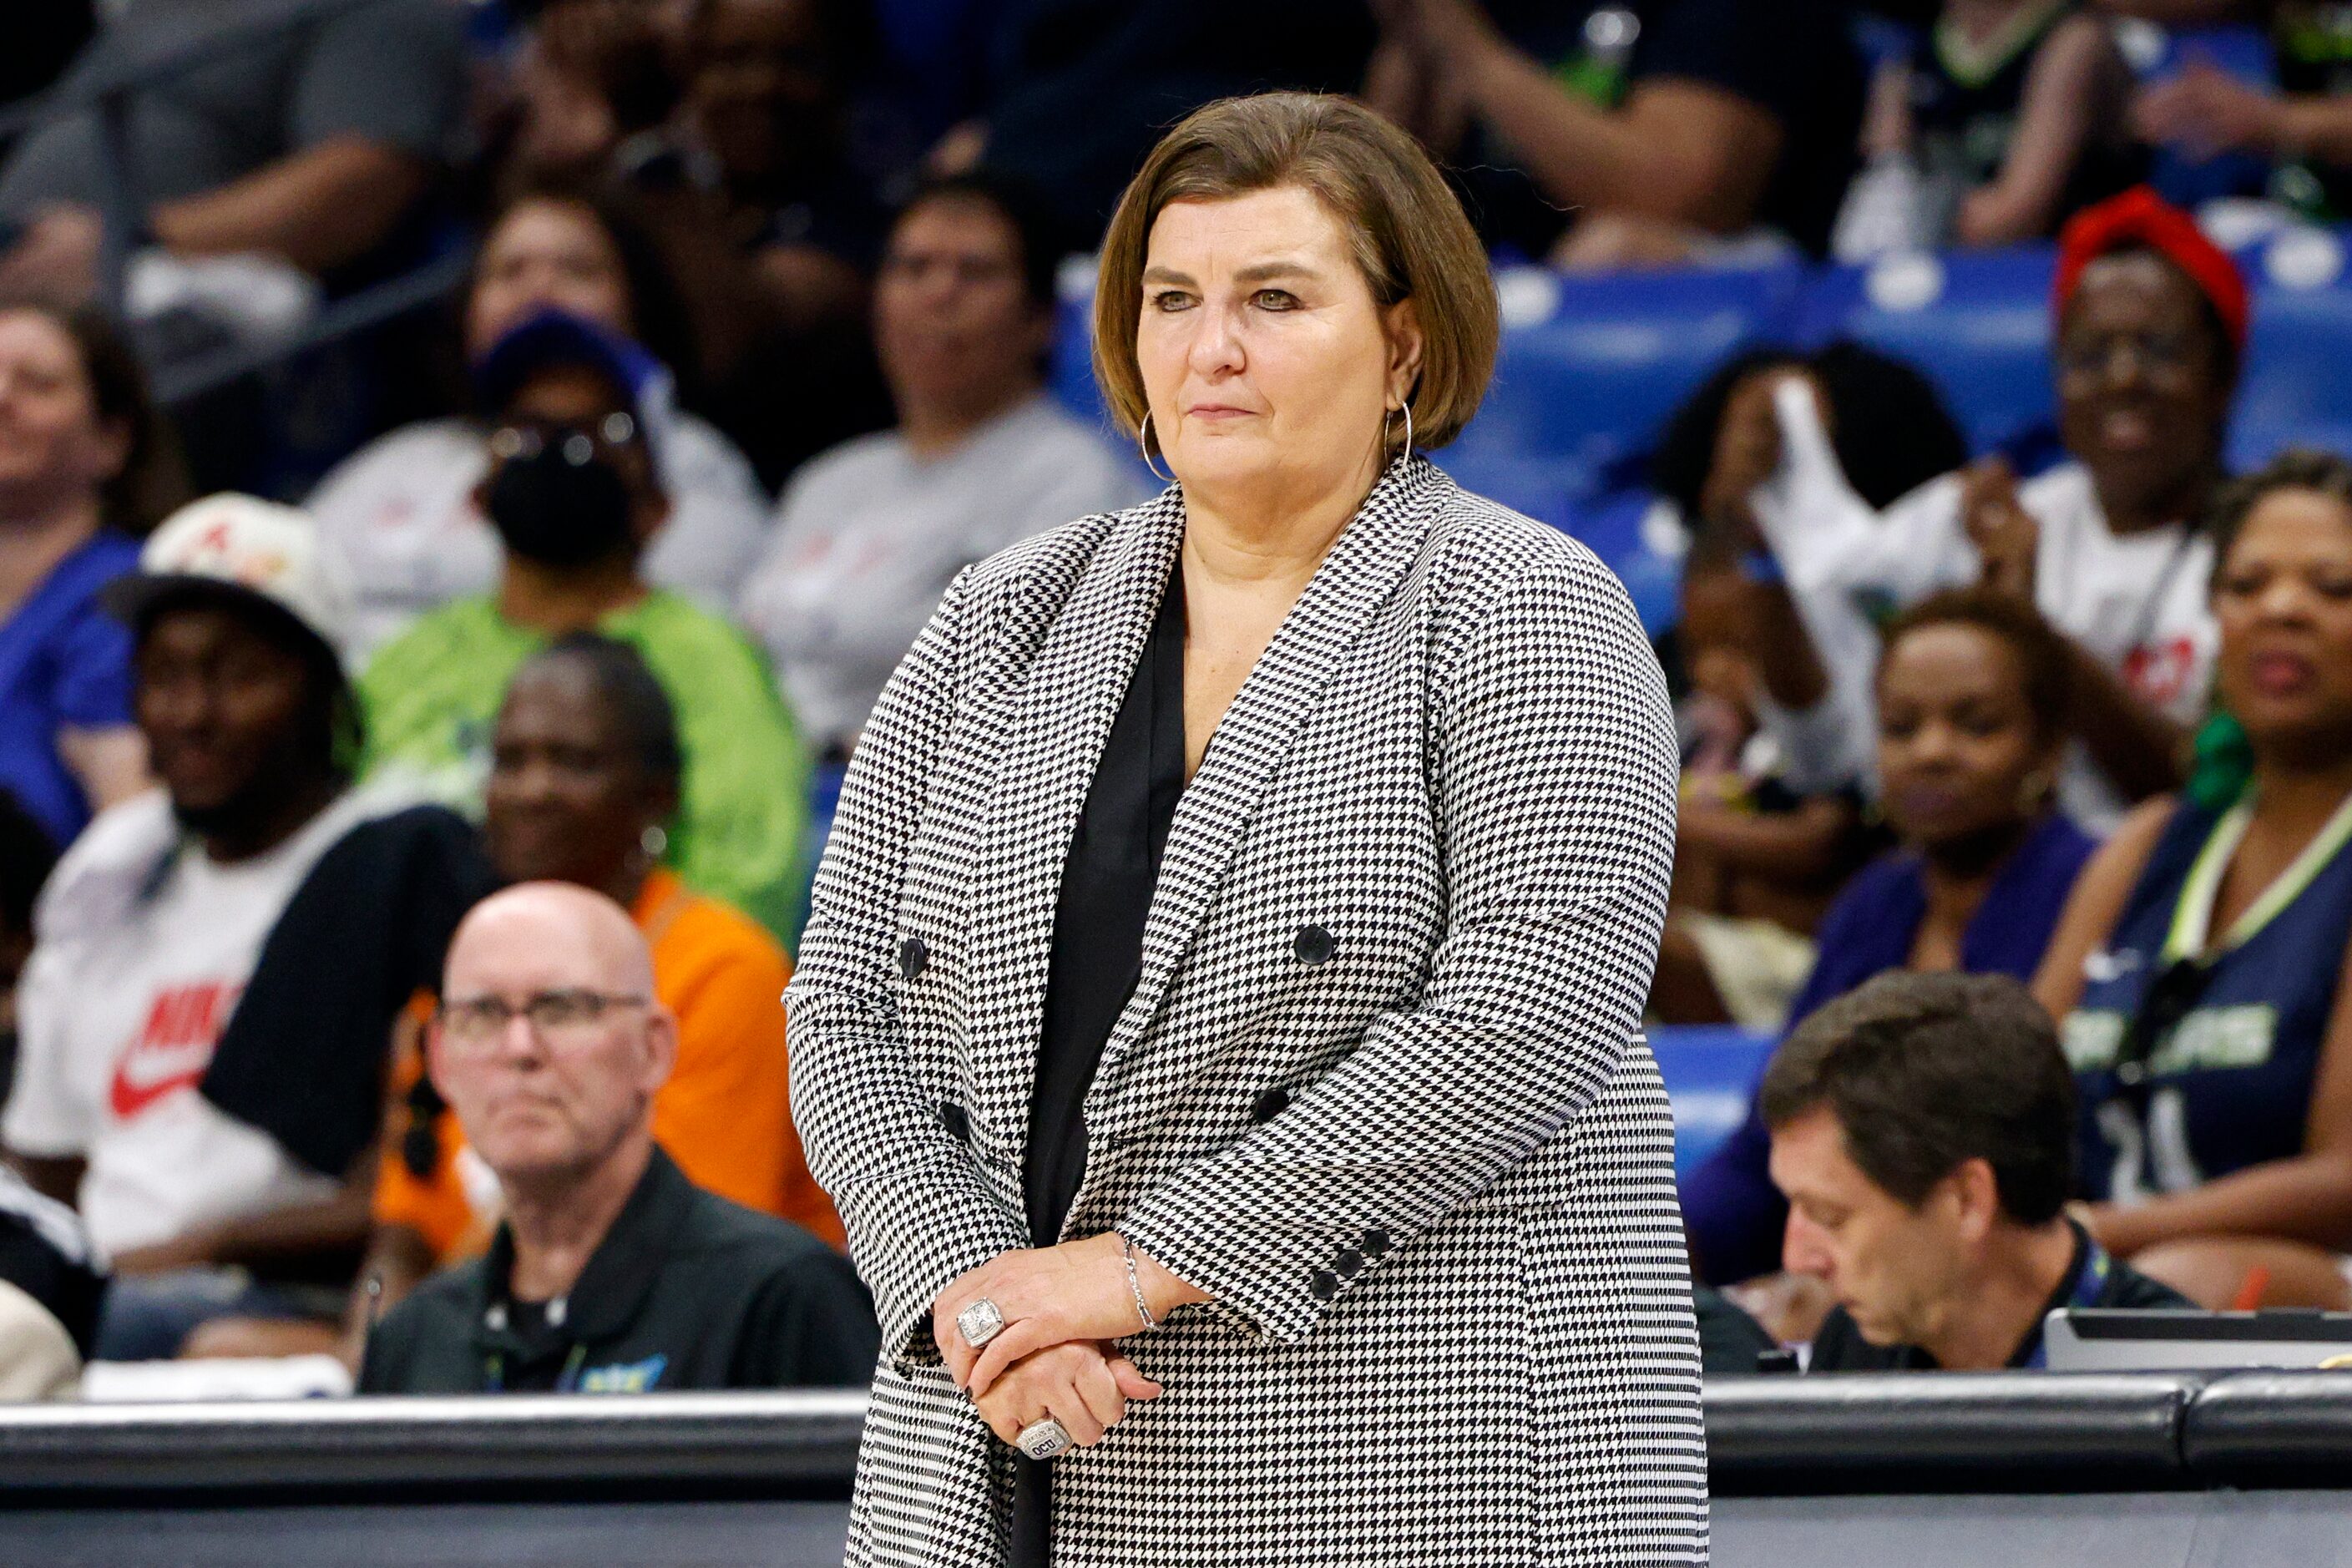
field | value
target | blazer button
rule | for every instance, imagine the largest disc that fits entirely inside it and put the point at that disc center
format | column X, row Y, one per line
column 913, row 957
column 957, row 1124
column 1373, row 1243
column 1326, row 1284
column 1349, row 1263
column 1269, row 1105
column 1313, row 944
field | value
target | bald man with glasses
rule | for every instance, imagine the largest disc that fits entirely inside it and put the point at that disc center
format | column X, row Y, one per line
column 612, row 1273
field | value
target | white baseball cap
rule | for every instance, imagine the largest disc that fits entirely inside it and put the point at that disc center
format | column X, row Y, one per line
column 244, row 545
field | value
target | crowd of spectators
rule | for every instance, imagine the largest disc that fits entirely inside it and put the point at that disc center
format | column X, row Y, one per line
column 253, row 926
column 573, row 488
column 751, row 356
column 401, row 512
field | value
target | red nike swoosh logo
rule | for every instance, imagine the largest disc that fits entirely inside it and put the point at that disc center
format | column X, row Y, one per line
column 173, row 1046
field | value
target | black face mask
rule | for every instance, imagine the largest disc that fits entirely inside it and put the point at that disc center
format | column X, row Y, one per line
column 553, row 506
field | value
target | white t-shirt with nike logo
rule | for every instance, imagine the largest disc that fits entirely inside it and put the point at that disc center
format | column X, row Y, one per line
column 145, row 945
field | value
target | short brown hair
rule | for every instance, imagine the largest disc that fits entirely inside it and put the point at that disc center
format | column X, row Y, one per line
column 153, row 482
column 1925, row 1072
column 1412, row 239
column 2040, row 652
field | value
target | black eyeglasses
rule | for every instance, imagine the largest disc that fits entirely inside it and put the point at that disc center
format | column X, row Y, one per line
column 2089, row 354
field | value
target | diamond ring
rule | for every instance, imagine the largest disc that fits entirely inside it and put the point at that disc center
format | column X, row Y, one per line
column 1044, row 1439
column 979, row 1323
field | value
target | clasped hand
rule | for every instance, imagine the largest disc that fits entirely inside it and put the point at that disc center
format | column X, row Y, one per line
column 2007, row 537
column 1062, row 1307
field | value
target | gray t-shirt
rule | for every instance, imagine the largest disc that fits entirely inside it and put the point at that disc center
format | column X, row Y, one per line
column 394, row 72
column 869, row 535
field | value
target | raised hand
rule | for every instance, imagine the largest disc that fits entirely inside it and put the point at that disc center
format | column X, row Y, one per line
column 2005, row 534
column 2208, row 111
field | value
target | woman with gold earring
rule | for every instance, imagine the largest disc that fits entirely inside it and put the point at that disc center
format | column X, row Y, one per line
column 1187, row 848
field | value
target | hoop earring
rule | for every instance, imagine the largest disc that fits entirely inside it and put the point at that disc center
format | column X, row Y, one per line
column 1144, row 444
column 1406, row 408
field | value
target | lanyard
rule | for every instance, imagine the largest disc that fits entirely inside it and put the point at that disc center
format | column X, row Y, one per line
column 2192, row 917
column 2089, row 1285
column 2151, row 608
column 494, row 1371
column 2190, row 956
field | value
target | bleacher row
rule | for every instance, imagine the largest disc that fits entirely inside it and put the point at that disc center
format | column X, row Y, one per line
column 1593, row 365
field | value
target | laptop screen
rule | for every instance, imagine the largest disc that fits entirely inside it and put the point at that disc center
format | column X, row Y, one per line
column 2106, row 1339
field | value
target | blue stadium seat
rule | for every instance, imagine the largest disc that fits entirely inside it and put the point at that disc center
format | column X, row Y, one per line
column 1563, row 493
column 1591, row 366
column 1614, row 528
column 2297, row 389
column 2252, row 445
column 2241, row 48
column 1545, row 488
column 1976, row 322
column 1072, row 372
column 1710, row 1072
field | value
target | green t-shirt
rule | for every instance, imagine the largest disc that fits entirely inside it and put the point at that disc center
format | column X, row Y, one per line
column 432, row 696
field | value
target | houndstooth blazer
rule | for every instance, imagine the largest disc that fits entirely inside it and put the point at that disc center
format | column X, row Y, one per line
column 1381, row 1090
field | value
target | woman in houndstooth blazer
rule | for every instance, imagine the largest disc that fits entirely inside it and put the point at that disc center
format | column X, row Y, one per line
column 1218, row 1021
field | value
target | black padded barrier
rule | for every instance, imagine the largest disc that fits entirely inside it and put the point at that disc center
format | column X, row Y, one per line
column 678, row 1447
column 2125, row 1470
column 1947, row 1432
column 1769, row 1435
column 2272, row 1430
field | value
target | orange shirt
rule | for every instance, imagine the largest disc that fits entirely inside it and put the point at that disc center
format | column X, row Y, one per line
column 725, row 1115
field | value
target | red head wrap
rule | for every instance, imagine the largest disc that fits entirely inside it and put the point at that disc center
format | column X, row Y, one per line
column 2140, row 216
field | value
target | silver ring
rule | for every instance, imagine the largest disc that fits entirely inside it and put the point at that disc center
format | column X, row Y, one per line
column 1043, row 1439
column 979, row 1323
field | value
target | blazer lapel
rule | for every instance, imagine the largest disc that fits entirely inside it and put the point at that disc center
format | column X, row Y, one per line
column 1060, row 722
column 1360, row 575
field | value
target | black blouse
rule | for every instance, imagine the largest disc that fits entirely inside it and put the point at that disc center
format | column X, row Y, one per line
column 1098, row 957
column 1107, row 883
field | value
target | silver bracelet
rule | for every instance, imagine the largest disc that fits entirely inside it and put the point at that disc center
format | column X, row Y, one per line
column 1127, row 1250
